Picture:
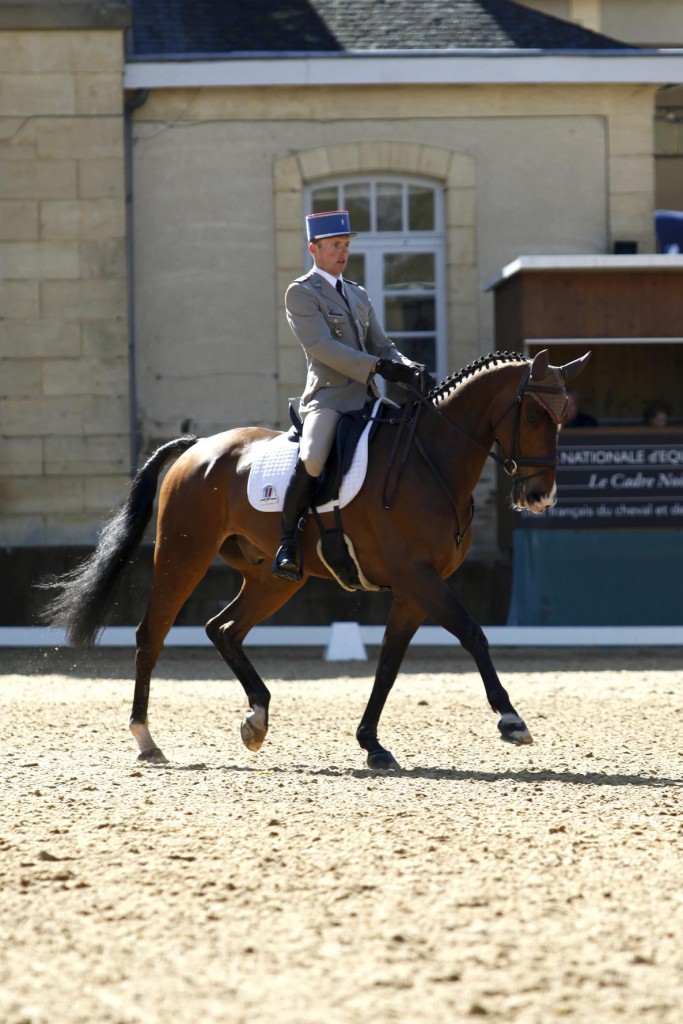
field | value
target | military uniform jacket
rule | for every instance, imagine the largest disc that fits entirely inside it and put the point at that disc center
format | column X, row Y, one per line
column 342, row 341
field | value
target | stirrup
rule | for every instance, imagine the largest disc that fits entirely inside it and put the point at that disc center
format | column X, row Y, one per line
column 287, row 569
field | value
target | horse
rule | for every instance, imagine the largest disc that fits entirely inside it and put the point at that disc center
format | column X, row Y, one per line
column 410, row 543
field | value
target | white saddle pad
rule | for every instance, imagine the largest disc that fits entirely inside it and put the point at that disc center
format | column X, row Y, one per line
column 273, row 463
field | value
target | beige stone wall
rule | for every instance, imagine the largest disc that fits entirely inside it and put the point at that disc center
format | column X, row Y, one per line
column 219, row 179
column 64, row 395
column 557, row 8
column 218, row 208
column 641, row 22
column 654, row 23
column 669, row 148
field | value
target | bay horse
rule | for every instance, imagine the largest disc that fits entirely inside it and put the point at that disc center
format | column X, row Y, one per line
column 410, row 547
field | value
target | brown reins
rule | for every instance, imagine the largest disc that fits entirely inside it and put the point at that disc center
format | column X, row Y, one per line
column 510, row 464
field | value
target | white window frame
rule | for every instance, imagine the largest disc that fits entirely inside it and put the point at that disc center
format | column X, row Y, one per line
column 374, row 244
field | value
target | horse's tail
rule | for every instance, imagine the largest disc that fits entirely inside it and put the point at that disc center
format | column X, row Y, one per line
column 87, row 593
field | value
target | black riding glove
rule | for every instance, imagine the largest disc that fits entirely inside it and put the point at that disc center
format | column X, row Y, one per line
column 413, row 374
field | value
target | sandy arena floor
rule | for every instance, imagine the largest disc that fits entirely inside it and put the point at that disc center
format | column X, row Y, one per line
column 518, row 885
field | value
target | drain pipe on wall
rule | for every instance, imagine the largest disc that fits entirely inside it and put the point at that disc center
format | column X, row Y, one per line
column 133, row 102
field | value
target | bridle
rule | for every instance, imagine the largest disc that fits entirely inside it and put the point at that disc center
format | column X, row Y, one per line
column 511, row 464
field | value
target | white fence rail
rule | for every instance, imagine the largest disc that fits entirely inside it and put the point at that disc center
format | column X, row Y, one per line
column 347, row 641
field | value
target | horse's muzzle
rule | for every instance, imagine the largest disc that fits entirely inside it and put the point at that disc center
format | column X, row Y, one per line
column 526, row 497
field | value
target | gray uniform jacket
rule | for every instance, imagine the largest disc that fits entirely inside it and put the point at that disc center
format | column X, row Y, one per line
column 341, row 342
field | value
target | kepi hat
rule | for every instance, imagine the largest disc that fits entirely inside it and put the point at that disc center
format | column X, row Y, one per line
column 328, row 224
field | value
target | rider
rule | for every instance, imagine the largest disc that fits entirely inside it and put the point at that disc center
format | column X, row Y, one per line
column 345, row 346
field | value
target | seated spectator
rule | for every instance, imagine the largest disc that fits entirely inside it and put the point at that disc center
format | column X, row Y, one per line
column 576, row 418
column 656, row 414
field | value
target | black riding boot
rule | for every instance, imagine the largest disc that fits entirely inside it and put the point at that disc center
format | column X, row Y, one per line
column 294, row 508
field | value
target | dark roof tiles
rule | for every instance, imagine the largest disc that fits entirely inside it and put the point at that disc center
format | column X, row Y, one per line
column 199, row 27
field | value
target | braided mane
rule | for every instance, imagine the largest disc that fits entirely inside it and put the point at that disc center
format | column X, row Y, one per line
column 451, row 382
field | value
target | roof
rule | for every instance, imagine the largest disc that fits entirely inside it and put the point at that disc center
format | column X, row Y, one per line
column 174, row 28
column 591, row 263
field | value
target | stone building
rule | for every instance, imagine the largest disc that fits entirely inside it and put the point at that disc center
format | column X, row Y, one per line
column 157, row 159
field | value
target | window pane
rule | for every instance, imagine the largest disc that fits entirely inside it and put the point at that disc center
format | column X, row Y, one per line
column 421, row 350
column 355, row 268
column 413, row 271
column 420, row 208
column 389, row 207
column 325, row 199
column 357, row 202
column 398, row 255
column 404, row 314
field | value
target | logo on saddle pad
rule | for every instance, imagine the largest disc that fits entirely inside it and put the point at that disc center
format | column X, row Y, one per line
column 272, row 464
column 268, row 494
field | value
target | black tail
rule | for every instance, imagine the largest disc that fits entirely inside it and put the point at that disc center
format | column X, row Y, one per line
column 87, row 593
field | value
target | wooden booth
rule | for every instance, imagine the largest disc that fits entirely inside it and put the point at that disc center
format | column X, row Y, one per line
column 611, row 551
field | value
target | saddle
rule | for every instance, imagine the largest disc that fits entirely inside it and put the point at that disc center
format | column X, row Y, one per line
column 334, row 547
column 338, row 484
column 350, row 429
column 272, row 462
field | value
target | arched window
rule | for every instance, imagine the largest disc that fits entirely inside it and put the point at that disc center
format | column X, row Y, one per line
column 398, row 256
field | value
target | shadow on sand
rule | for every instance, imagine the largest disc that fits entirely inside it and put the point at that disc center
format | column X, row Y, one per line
column 444, row 775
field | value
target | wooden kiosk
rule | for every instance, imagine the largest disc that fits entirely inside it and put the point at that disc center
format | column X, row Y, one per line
column 611, row 552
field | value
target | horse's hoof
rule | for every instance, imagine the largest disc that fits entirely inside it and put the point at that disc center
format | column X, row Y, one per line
column 152, row 756
column 382, row 760
column 254, row 728
column 513, row 730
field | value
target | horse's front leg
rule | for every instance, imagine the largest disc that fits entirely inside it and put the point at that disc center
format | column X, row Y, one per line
column 404, row 620
column 261, row 595
column 423, row 585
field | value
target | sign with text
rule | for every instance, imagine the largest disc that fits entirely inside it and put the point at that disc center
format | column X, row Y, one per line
column 616, row 478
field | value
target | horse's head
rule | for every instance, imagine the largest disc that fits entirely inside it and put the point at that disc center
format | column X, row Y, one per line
column 528, row 431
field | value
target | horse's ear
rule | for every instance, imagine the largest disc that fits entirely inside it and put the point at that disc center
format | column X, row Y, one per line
column 539, row 367
column 573, row 369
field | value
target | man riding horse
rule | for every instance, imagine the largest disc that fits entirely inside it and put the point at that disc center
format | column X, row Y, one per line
column 345, row 346
column 410, row 545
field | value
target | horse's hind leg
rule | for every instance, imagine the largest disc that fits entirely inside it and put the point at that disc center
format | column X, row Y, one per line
column 174, row 581
column 404, row 620
column 261, row 595
column 145, row 660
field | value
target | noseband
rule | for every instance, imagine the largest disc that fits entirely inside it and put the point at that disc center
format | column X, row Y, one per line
column 512, row 463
